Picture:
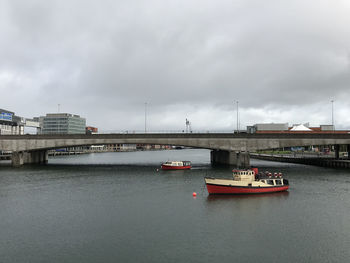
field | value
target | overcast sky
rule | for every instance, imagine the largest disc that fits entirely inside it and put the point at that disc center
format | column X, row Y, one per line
column 283, row 60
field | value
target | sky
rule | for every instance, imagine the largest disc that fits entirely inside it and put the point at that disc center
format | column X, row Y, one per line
column 117, row 63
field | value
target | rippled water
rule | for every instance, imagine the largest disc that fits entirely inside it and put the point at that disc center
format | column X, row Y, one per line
column 116, row 207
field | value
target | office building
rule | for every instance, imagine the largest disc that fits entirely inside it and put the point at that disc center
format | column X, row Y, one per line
column 266, row 127
column 10, row 124
column 62, row 123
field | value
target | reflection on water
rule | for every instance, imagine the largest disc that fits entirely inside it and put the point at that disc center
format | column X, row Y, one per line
column 229, row 198
column 117, row 207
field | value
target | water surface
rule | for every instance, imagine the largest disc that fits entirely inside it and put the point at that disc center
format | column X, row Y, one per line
column 116, row 207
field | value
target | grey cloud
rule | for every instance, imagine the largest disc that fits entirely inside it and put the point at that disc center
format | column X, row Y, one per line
column 107, row 58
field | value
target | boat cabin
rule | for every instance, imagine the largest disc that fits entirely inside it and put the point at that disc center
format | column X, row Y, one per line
column 278, row 181
column 186, row 163
column 244, row 175
column 178, row 163
column 250, row 176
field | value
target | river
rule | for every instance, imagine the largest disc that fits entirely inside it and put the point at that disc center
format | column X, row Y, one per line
column 118, row 207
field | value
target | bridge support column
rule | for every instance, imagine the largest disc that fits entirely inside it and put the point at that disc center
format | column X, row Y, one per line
column 17, row 158
column 239, row 159
column 336, row 151
column 20, row 158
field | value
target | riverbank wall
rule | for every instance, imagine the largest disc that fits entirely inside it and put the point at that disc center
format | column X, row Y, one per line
column 323, row 161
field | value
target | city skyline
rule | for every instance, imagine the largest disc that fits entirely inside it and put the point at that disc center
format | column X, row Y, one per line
column 283, row 61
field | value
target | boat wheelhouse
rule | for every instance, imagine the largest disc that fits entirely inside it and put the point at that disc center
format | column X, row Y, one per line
column 176, row 165
column 247, row 182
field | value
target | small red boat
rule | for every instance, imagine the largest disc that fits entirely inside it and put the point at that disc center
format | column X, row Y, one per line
column 177, row 165
column 247, row 182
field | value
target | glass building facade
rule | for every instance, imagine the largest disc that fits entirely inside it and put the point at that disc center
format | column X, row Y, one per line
column 63, row 123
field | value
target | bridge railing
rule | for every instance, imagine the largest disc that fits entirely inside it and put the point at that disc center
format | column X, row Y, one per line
column 162, row 131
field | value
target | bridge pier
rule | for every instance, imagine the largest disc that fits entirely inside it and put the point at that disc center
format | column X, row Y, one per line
column 20, row 158
column 239, row 159
column 336, row 151
column 17, row 158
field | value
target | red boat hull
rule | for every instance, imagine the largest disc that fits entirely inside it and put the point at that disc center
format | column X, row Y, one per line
column 222, row 189
column 169, row 167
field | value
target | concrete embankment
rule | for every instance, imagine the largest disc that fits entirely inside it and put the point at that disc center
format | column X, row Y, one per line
column 322, row 161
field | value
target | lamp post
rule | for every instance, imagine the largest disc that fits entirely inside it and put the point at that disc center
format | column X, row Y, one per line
column 145, row 117
column 237, row 117
column 237, row 125
column 332, row 101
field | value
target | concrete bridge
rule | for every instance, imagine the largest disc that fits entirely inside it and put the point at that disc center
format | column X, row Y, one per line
column 227, row 148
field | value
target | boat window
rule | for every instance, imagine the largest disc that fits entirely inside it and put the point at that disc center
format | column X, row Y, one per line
column 278, row 182
column 285, row 182
column 270, row 182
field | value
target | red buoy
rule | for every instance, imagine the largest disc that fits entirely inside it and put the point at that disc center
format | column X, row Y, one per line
column 194, row 194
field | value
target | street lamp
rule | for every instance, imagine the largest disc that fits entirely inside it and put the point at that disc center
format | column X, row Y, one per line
column 145, row 117
column 332, row 101
column 237, row 117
